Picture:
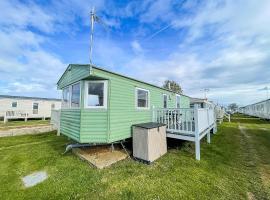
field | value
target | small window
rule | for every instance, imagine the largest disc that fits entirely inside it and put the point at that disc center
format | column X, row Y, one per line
column 65, row 101
column 165, row 100
column 178, row 101
column 75, row 95
column 52, row 106
column 142, row 98
column 35, row 108
column 14, row 104
column 96, row 94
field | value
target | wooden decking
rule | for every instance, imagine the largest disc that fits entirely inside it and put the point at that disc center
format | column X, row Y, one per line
column 190, row 124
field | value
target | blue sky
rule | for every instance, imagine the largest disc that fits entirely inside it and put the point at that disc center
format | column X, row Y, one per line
column 223, row 45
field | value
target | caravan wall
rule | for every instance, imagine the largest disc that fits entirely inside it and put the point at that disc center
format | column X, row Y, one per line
column 260, row 109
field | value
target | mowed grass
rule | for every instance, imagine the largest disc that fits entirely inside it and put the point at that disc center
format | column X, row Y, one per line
column 21, row 123
column 236, row 165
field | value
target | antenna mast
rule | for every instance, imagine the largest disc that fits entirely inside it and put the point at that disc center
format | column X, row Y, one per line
column 92, row 18
column 205, row 90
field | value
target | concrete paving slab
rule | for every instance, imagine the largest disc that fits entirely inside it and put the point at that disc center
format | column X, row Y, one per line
column 27, row 131
column 100, row 156
column 34, row 178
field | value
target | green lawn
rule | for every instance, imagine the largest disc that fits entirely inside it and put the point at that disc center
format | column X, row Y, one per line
column 236, row 165
column 22, row 123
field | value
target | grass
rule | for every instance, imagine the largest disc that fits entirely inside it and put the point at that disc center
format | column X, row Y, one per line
column 22, row 123
column 236, row 165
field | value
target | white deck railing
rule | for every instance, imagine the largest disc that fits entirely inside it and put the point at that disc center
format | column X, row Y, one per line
column 186, row 121
column 177, row 120
column 15, row 114
column 55, row 120
column 190, row 124
column 205, row 119
column 220, row 114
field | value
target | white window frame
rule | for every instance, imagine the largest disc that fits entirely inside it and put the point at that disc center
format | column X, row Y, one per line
column 38, row 103
column 69, row 98
column 167, row 99
column 16, row 104
column 105, row 94
column 70, row 95
column 136, row 99
column 176, row 96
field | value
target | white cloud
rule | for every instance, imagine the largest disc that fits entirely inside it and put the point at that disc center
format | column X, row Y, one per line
column 26, row 87
column 136, row 46
column 158, row 10
column 228, row 42
column 225, row 46
column 23, row 60
column 15, row 13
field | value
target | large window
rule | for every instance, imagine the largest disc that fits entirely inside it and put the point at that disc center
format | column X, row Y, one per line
column 96, row 94
column 65, row 101
column 71, row 96
column 177, row 101
column 75, row 95
column 35, row 108
column 165, row 100
column 142, row 98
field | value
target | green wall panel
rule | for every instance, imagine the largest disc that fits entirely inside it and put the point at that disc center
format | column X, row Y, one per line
column 73, row 74
column 94, row 126
column 122, row 109
column 70, row 123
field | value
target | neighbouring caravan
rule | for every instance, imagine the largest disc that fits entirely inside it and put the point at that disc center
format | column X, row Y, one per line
column 100, row 106
column 202, row 103
column 260, row 109
column 20, row 107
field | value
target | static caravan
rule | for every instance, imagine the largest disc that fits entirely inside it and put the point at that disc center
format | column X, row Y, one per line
column 16, row 107
column 260, row 109
column 202, row 103
column 100, row 106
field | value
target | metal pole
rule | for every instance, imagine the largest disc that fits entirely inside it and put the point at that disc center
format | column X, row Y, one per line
column 92, row 18
column 197, row 133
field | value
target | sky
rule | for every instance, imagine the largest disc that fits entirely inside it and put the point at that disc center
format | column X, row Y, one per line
column 221, row 45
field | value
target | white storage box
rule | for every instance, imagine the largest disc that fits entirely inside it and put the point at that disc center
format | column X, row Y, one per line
column 149, row 141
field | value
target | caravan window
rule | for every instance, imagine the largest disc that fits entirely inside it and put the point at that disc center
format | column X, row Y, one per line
column 142, row 98
column 75, row 95
column 165, row 100
column 35, row 108
column 96, row 94
column 177, row 101
column 14, row 104
column 65, row 100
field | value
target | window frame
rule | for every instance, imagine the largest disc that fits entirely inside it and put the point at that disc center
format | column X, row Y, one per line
column 167, row 98
column 105, row 94
column 35, row 109
column 136, row 99
column 16, row 104
column 69, row 87
column 70, row 95
column 177, row 96
column 69, row 98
